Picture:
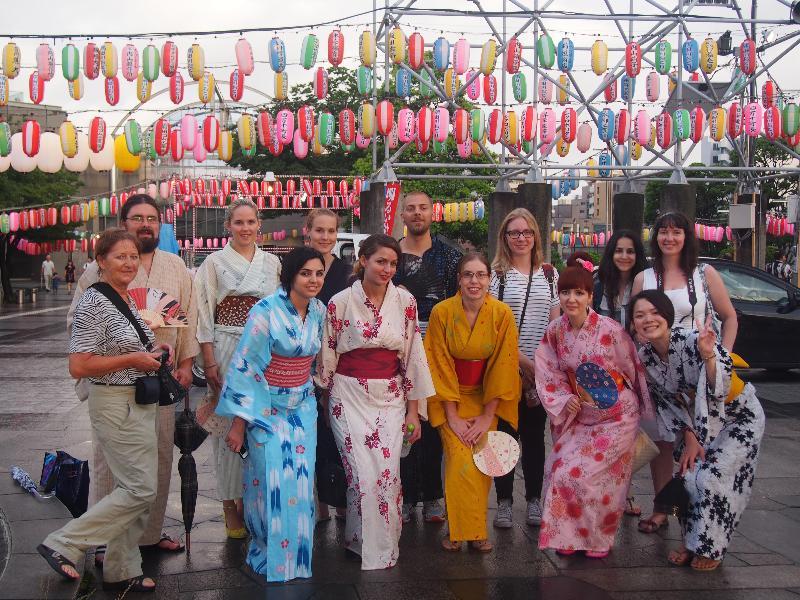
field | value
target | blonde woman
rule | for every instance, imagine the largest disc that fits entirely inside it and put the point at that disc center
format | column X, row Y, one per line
column 522, row 279
column 228, row 284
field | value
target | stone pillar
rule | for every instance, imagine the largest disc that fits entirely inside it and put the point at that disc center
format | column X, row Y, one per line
column 536, row 197
column 371, row 202
column 679, row 197
column 628, row 212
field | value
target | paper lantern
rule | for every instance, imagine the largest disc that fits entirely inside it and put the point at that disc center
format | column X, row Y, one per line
column 364, row 80
column 563, row 90
column 284, row 126
column 599, row 57
column 610, row 91
column 75, row 88
column 130, row 62
column 664, row 130
column 633, row 59
column 791, row 119
column 225, row 148
column 79, row 162
column 708, row 55
column 565, row 54
column 513, row 54
column 636, row 154
column 362, row 141
column 347, row 125
column 264, row 128
column 70, row 62
column 604, row 162
column 716, row 123
column 461, row 125
column 605, row 125
column 452, row 83
column 366, row 48
column 176, row 87
column 151, row 62
column 753, row 119
column 424, row 123
column 461, row 56
column 111, row 86
column 5, row 139
column 366, row 120
column 403, row 83
column 652, row 86
column 397, row 45
column 169, row 59
column 109, row 63
column 545, row 91
column 160, row 136
column 488, row 57
column 11, row 60
column 681, row 124
column 772, row 123
column 336, row 47
column 31, row 138
column 416, row 51
column 528, row 123
column 205, row 87
column 690, row 55
column 584, row 137
column 622, row 126
column 4, row 89
column 627, row 88
column 426, row 87
column 325, row 128
column 188, row 131
column 747, row 57
column 768, row 92
column 236, row 85
column 641, row 127
column 663, row 57
column 441, row 54
column 281, row 86
column 735, row 120
column 494, row 127
column 546, row 51
column 697, row 123
column 277, row 54
column 308, row 51
column 133, row 137
column 143, row 88
column 195, row 62
column 569, row 125
column 36, row 87
column 384, row 115
column 547, row 125
column 49, row 159
column 305, row 122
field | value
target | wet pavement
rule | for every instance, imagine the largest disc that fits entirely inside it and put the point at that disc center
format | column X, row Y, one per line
column 39, row 412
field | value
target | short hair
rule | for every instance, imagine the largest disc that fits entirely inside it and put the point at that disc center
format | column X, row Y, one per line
column 370, row 246
column 576, row 276
column 320, row 212
column 471, row 256
column 688, row 258
column 111, row 237
column 238, row 203
column 135, row 200
column 414, row 193
column 294, row 261
column 659, row 300
column 502, row 255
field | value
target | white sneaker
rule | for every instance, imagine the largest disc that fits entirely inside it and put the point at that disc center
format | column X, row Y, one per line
column 504, row 517
column 407, row 508
column 534, row 518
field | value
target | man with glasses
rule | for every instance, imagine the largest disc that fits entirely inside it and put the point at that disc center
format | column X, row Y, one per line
column 427, row 269
column 163, row 272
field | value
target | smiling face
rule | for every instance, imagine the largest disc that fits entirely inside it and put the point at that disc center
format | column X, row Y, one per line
column 309, row 279
column 624, row 254
column 144, row 222
column 671, row 240
column 417, row 214
column 473, row 280
column 243, row 226
column 648, row 324
column 380, row 267
column 575, row 302
column 519, row 237
column 121, row 264
column 322, row 235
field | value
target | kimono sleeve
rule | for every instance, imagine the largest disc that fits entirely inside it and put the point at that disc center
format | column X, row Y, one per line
column 328, row 357
column 441, row 364
column 186, row 345
column 627, row 359
column 501, row 380
column 205, row 290
column 417, row 382
column 552, row 383
column 246, row 393
column 710, row 398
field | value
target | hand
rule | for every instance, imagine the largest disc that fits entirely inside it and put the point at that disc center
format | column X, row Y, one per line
column 707, row 338
column 692, row 451
column 235, row 438
column 574, row 405
column 170, row 352
column 184, row 376
column 153, row 325
column 145, row 361
column 586, row 397
column 416, row 433
column 460, row 427
column 479, row 425
column 213, row 379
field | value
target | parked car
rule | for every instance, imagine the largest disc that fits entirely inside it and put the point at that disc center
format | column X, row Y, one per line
column 768, row 310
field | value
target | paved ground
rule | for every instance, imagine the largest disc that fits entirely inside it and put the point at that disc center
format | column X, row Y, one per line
column 38, row 411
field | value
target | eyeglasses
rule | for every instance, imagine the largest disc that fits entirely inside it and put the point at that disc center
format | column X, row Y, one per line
column 480, row 276
column 141, row 219
column 526, row 233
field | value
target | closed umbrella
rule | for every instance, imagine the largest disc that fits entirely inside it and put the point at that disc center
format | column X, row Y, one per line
column 188, row 437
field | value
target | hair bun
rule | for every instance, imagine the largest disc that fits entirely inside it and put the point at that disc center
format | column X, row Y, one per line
column 572, row 261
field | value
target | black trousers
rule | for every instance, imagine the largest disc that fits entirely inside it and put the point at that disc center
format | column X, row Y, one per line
column 531, row 440
column 421, row 470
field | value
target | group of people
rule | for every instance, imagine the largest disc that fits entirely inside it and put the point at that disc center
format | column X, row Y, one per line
column 313, row 367
column 51, row 278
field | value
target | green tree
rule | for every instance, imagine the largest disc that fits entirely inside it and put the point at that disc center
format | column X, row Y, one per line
column 711, row 197
column 772, row 156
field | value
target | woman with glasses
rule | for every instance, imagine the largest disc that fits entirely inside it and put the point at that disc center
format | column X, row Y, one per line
column 471, row 345
column 695, row 291
column 527, row 284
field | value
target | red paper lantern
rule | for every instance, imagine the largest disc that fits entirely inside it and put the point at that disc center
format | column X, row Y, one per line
column 97, row 134
column 65, row 215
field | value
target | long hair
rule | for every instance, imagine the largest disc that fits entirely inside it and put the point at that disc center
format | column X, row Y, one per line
column 370, row 246
column 688, row 258
column 608, row 273
column 319, row 212
column 294, row 261
column 502, row 255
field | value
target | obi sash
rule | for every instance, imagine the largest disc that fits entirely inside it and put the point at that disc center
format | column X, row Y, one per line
column 369, row 363
column 232, row 310
column 287, row 372
column 470, row 372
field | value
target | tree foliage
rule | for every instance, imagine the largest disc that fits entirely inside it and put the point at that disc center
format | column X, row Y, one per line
column 711, row 197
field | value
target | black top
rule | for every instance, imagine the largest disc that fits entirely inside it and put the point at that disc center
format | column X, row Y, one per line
column 336, row 279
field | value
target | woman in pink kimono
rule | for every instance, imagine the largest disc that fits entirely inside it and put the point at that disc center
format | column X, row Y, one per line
column 592, row 386
column 373, row 365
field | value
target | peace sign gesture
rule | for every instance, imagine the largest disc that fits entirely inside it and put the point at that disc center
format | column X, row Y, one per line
column 706, row 339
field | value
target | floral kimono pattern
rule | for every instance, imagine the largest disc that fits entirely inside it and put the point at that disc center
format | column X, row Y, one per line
column 281, row 436
column 730, row 432
column 588, row 471
column 367, row 415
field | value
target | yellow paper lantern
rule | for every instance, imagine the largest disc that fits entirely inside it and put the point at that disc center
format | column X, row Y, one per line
column 563, row 91
column 11, row 60
column 125, row 161
column 144, row 87
column 281, row 86
column 225, row 148
column 636, row 150
column 205, row 88
column 366, row 48
column 452, row 83
column 196, row 62
column 562, row 147
column 397, row 46
column 708, row 55
column 592, row 164
column 599, row 57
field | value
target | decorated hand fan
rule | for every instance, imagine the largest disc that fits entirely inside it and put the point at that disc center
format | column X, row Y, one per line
column 158, row 308
column 496, row 454
column 598, row 383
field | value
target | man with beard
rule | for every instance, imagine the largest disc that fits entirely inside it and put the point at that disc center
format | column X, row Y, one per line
column 166, row 273
column 427, row 269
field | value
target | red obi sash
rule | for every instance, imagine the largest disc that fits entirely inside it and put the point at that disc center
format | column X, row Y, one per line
column 369, row 363
column 469, row 372
column 232, row 310
column 287, row 372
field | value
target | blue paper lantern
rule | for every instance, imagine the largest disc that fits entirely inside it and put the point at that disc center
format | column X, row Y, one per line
column 690, row 53
column 627, row 88
column 565, row 53
column 605, row 125
column 441, row 54
column 605, row 161
column 403, row 83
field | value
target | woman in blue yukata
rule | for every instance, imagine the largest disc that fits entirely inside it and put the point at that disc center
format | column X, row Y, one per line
column 270, row 397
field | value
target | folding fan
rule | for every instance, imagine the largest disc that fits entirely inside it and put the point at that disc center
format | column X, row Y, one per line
column 599, row 384
column 158, row 308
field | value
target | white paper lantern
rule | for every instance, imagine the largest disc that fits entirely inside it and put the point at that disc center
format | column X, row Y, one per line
column 80, row 162
column 50, row 157
column 103, row 160
column 20, row 161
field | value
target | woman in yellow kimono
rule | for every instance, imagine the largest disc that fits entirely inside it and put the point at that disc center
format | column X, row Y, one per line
column 471, row 345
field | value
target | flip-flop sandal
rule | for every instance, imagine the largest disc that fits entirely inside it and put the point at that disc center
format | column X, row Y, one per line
column 57, row 562
column 134, row 584
column 680, row 558
column 451, row 546
column 99, row 556
column 597, row 553
column 631, row 509
column 165, row 538
column 712, row 564
column 484, row 546
column 651, row 526
column 565, row 552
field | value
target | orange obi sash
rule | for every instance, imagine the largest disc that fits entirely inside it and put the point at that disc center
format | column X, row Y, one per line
column 470, row 372
column 288, row 372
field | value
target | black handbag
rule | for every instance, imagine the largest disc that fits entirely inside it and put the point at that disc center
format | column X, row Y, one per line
column 673, row 498
column 69, row 478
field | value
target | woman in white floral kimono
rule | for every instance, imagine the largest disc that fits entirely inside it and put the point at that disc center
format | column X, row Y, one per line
column 373, row 365
column 228, row 284
column 715, row 417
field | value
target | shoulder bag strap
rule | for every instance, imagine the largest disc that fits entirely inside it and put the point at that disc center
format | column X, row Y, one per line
column 122, row 306
column 527, row 297
column 502, row 285
column 550, row 275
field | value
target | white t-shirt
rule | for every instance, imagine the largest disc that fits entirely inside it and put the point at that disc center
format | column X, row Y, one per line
column 680, row 299
column 48, row 268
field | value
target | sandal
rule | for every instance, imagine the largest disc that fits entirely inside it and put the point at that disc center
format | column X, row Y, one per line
column 680, row 558
column 650, row 525
column 597, row 553
column 564, row 552
column 450, row 545
column 134, row 584
column 482, row 546
column 99, row 556
column 631, row 509
column 165, row 538
column 57, row 562
column 708, row 564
